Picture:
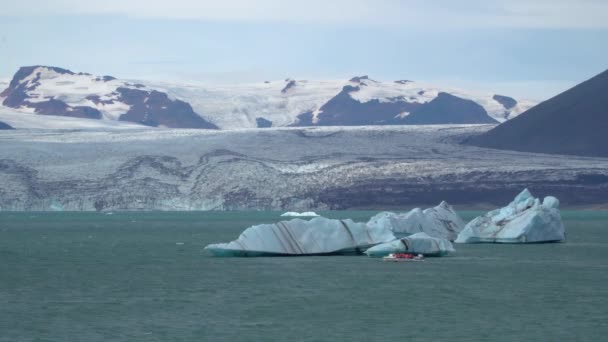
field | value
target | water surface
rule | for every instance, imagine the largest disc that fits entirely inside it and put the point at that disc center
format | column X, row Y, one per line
column 145, row 277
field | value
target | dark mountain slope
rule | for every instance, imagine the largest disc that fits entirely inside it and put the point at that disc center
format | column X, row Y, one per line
column 573, row 122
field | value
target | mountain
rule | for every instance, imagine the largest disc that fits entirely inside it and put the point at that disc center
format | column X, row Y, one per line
column 54, row 91
column 358, row 101
column 573, row 122
column 400, row 103
column 47, row 90
column 449, row 109
column 5, row 126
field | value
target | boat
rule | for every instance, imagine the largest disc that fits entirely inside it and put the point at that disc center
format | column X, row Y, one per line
column 398, row 257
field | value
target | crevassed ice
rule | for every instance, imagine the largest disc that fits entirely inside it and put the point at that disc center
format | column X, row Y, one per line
column 441, row 222
column 524, row 220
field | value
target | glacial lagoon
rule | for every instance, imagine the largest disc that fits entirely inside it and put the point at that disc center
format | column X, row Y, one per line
column 145, row 277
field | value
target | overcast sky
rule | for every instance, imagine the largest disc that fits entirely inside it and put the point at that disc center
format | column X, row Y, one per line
column 521, row 48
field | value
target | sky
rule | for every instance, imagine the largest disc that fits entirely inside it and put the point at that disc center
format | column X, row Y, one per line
column 532, row 49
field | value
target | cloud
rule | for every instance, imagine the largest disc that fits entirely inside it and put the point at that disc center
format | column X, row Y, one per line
column 428, row 14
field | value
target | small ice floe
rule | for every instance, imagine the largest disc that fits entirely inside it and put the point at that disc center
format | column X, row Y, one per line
column 303, row 214
column 56, row 206
column 179, row 243
column 419, row 243
column 525, row 220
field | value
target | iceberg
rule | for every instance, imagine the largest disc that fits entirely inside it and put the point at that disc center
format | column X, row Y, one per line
column 319, row 236
column 525, row 220
column 440, row 222
column 419, row 243
column 304, row 214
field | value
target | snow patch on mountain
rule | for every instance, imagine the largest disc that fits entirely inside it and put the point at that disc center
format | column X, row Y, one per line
column 19, row 119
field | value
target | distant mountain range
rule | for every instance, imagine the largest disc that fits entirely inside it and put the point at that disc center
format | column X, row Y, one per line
column 54, row 91
column 573, row 122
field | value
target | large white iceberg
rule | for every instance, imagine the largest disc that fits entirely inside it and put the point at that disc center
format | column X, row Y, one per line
column 318, row 236
column 297, row 214
column 525, row 220
column 419, row 243
column 441, row 222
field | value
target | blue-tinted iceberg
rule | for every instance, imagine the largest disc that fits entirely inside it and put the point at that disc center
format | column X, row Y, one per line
column 525, row 220
column 318, row 236
column 419, row 243
column 297, row 214
column 440, row 222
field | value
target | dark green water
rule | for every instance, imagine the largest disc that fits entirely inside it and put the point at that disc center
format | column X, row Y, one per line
column 127, row 277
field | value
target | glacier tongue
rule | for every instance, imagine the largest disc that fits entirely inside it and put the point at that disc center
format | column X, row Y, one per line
column 525, row 220
column 299, row 237
column 419, row 243
column 441, row 222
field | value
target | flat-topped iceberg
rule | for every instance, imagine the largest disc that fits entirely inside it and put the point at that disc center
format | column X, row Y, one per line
column 297, row 214
column 419, row 243
column 319, row 236
column 441, row 222
column 525, row 220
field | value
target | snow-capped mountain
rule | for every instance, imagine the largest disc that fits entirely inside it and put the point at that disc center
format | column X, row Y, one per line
column 358, row 101
column 55, row 91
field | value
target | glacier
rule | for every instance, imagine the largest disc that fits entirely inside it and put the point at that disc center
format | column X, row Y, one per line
column 524, row 220
column 440, row 222
column 419, row 243
column 319, row 236
column 275, row 169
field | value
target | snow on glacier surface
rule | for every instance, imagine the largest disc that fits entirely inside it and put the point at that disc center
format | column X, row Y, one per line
column 524, row 220
column 21, row 119
column 281, row 166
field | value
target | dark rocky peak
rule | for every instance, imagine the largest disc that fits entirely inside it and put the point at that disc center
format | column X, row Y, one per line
column 505, row 101
column 290, row 84
column 154, row 108
column 403, row 81
column 573, row 122
column 5, row 126
column 105, row 78
column 449, row 109
column 359, row 79
column 59, row 108
column 347, row 89
column 343, row 110
column 263, row 123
